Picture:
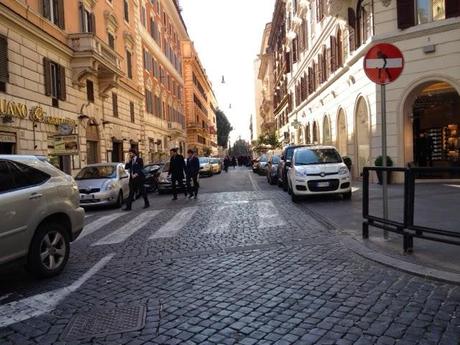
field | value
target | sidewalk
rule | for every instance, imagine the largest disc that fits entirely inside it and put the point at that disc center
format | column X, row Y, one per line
column 436, row 205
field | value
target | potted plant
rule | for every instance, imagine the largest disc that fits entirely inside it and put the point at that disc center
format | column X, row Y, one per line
column 378, row 163
column 348, row 162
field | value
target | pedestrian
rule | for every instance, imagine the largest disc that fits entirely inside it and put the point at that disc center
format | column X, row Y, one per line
column 135, row 166
column 233, row 162
column 226, row 163
column 176, row 171
column 192, row 170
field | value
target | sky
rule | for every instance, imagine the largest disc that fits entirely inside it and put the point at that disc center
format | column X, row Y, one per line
column 227, row 35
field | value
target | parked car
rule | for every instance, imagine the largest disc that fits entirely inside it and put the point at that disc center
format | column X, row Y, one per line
column 205, row 166
column 40, row 214
column 272, row 169
column 216, row 165
column 283, row 168
column 103, row 184
column 152, row 173
column 164, row 181
column 318, row 170
column 255, row 165
column 261, row 167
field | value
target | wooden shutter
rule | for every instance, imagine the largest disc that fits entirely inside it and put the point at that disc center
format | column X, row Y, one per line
column 287, row 62
column 93, row 23
column 406, row 13
column 61, row 16
column 81, row 9
column 115, row 104
column 47, row 75
column 339, row 49
column 452, row 8
column 46, row 9
column 352, row 28
column 327, row 63
column 4, row 60
column 62, row 91
column 334, row 54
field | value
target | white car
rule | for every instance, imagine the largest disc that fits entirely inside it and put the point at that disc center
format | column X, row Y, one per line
column 318, row 170
column 205, row 166
column 40, row 214
column 103, row 184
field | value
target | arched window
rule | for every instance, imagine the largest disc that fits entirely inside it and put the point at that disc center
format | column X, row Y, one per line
column 327, row 138
column 339, row 48
column 315, row 133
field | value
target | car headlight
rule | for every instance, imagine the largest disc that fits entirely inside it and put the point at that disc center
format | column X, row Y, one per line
column 300, row 173
column 343, row 171
column 109, row 185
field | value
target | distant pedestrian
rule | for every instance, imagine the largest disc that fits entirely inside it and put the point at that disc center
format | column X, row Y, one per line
column 135, row 166
column 226, row 163
column 176, row 171
column 192, row 170
column 233, row 162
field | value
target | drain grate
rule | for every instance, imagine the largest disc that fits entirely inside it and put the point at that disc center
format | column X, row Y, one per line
column 103, row 321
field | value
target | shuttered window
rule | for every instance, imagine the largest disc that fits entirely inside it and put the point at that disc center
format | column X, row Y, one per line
column 352, row 29
column 129, row 67
column 53, row 10
column 55, row 80
column 452, row 8
column 148, row 101
column 131, row 112
column 333, row 61
column 126, row 10
column 4, row 76
column 406, row 13
column 115, row 104
column 89, row 90
column 87, row 20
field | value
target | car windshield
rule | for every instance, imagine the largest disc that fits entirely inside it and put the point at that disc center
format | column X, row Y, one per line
column 317, row 156
column 263, row 159
column 289, row 153
column 204, row 160
column 97, row 172
column 275, row 160
column 214, row 161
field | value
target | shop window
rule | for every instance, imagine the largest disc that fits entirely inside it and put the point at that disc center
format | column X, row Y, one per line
column 53, row 10
column 115, row 104
column 89, row 90
column 131, row 112
column 111, row 40
column 4, row 75
column 126, row 10
column 55, row 81
column 129, row 67
column 87, row 20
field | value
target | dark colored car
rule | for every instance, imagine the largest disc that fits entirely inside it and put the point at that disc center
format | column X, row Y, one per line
column 255, row 164
column 152, row 172
column 285, row 163
column 261, row 168
column 272, row 169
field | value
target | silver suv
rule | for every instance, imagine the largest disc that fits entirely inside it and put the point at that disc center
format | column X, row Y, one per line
column 39, row 212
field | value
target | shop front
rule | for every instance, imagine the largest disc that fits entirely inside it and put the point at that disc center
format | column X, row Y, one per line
column 7, row 143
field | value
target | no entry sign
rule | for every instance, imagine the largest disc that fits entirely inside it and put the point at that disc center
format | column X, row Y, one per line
column 383, row 63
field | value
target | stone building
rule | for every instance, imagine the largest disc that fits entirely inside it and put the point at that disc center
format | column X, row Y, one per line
column 333, row 102
column 200, row 103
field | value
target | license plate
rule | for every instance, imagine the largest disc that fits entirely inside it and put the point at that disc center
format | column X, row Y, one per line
column 323, row 184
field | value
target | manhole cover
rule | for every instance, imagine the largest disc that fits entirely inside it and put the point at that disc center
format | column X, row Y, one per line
column 103, row 321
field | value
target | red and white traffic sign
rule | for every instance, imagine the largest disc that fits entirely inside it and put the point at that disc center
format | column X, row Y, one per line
column 383, row 63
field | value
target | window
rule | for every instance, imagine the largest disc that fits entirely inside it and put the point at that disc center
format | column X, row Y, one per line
column 319, row 10
column 364, row 22
column 87, row 20
column 131, row 112
column 351, row 29
column 148, row 101
column 115, row 104
column 126, row 10
column 15, row 175
column 430, row 10
column 129, row 67
column 4, row 75
column 143, row 17
column 413, row 12
column 111, row 40
column 6, row 179
column 55, row 81
column 89, row 90
column 53, row 10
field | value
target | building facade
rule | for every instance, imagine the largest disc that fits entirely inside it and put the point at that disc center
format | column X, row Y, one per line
column 200, row 103
column 333, row 102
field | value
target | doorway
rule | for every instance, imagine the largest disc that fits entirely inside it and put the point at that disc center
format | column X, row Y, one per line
column 117, row 151
column 7, row 148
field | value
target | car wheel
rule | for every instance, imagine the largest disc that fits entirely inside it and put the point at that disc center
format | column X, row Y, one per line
column 285, row 186
column 49, row 250
column 294, row 197
column 289, row 189
column 119, row 200
column 161, row 192
column 347, row 196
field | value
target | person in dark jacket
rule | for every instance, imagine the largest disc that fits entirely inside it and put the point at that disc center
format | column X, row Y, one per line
column 226, row 163
column 192, row 170
column 176, row 171
column 233, row 162
column 135, row 166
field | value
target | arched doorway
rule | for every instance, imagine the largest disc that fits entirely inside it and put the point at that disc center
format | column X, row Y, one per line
column 342, row 133
column 315, row 133
column 432, row 126
column 327, row 137
column 363, row 147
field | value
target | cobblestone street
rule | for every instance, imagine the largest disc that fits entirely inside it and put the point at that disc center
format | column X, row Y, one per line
column 240, row 265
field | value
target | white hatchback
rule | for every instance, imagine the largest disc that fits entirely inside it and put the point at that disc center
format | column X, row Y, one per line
column 318, row 170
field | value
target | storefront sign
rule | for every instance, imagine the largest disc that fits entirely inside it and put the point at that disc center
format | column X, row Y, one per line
column 35, row 114
column 7, row 137
column 65, row 145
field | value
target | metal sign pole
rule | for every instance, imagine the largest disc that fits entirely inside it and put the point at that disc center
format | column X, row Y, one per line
column 384, row 157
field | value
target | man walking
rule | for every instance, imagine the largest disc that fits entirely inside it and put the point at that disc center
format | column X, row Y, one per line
column 176, row 171
column 192, row 170
column 135, row 166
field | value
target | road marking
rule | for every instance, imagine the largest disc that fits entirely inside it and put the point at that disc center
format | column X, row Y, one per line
column 380, row 63
column 172, row 228
column 88, row 215
column 220, row 220
column 268, row 215
column 98, row 224
column 354, row 189
column 255, row 186
column 44, row 303
column 453, row 185
column 127, row 230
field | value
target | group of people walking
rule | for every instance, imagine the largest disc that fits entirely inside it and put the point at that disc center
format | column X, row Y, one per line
column 178, row 169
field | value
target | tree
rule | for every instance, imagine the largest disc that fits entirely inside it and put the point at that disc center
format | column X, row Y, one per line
column 223, row 128
column 240, row 148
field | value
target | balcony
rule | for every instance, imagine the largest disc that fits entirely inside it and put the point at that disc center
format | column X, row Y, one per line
column 94, row 57
column 176, row 129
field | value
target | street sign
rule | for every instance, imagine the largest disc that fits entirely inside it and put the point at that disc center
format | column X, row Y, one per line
column 383, row 63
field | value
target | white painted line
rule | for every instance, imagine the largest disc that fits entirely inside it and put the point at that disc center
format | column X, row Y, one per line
column 255, row 186
column 44, row 303
column 380, row 63
column 124, row 232
column 88, row 215
column 220, row 220
column 453, row 185
column 98, row 224
column 172, row 228
column 354, row 189
column 268, row 215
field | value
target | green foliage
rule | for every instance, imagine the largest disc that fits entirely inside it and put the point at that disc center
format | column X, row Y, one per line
column 223, row 128
column 379, row 161
column 240, row 148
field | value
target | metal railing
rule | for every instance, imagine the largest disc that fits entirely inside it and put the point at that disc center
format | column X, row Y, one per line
column 407, row 228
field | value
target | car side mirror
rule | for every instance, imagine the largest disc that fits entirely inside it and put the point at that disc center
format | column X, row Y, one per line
column 288, row 164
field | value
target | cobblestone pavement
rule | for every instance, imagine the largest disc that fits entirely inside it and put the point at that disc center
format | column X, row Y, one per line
column 246, row 267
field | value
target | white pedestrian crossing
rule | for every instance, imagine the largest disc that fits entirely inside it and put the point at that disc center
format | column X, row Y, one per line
column 268, row 215
column 174, row 226
column 124, row 232
column 220, row 220
column 98, row 224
